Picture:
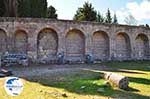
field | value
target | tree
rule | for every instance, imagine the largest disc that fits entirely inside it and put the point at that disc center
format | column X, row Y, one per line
column 32, row 8
column 2, row 8
column 24, row 8
column 10, row 8
column 108, row 17
column 85, row 13
column 115, row 21
column 147, row 25
column 39, row 8
column 130, row 20
column 51, row 12
column 100, row 18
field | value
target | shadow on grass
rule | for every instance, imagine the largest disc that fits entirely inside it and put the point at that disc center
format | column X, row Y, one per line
column 127, row 71
column 130, row 89
column 129, row 65
column 139, row 80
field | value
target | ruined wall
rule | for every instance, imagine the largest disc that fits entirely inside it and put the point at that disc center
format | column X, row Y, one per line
column 44, row 38
column 100, row 45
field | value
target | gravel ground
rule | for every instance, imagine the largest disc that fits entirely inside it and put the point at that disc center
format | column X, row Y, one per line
column 38, row 70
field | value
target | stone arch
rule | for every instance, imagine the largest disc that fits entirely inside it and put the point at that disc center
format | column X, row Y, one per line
column 100, row 45
column 142, row 46
column 3, row 42
column 123, row 47
column 47, row 43
column 75, row 43
column 21, row 41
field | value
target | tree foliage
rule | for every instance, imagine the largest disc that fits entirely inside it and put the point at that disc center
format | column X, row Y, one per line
column 147, row 25
column 115, row 20
column 51, row 12
column 108, row 18
column 2, row 8
column 23, row 8
column 85, row 13
column 100, row 18
column 32, row 8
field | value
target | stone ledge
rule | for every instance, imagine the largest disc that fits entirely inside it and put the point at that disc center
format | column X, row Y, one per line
column 46, row 20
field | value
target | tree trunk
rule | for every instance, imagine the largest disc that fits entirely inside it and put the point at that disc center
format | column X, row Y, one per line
column 11, row 8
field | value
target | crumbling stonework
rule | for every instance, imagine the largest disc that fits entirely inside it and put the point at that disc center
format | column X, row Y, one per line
column 47, row 43
column 75, row 45
column 21, row 41
column 100, row 45
column 44, row 38
column 123, row 46
column 2, row 41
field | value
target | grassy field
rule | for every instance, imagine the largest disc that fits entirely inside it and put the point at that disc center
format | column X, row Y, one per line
column 86, row 83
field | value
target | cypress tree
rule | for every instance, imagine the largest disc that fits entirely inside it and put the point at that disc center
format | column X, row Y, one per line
column 115, row 21
column 108, row 17
column 32, row 8
column 100, row 18
column 2, row 8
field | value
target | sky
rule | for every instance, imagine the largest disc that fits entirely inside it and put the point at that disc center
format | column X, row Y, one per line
column 139, row 9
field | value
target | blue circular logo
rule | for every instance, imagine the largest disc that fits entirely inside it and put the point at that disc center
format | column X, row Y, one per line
column 13, row 86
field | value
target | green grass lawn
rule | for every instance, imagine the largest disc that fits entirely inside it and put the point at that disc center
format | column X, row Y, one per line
column 87, row 84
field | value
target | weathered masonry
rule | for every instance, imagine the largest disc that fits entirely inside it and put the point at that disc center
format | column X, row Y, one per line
column 44, row 39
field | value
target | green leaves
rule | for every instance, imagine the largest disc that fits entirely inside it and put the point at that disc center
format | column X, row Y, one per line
column 23, row 8
column 32, row 8
column 115, row 21
column 51, row 12
column 85, row 13
column 100, row 18
column 108, row 17
column 2, row 8
column 88, row 13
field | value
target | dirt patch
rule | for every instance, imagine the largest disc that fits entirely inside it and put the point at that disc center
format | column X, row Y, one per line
column 38, row 70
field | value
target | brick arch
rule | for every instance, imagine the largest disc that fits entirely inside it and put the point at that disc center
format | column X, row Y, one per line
column 123, row 46
column 47, row 43
column 75, row 43
column 3, row 42
column 74, row 28
column 21, row 41
column 100, row 45
column 142, row 46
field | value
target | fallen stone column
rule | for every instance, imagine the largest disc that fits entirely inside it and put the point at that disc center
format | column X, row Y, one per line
column 118, row 80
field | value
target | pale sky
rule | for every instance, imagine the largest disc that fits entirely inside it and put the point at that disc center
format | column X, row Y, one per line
column 140, row 9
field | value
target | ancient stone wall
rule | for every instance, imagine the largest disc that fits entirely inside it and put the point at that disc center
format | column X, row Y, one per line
column 100, row 45
column 44, row 39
